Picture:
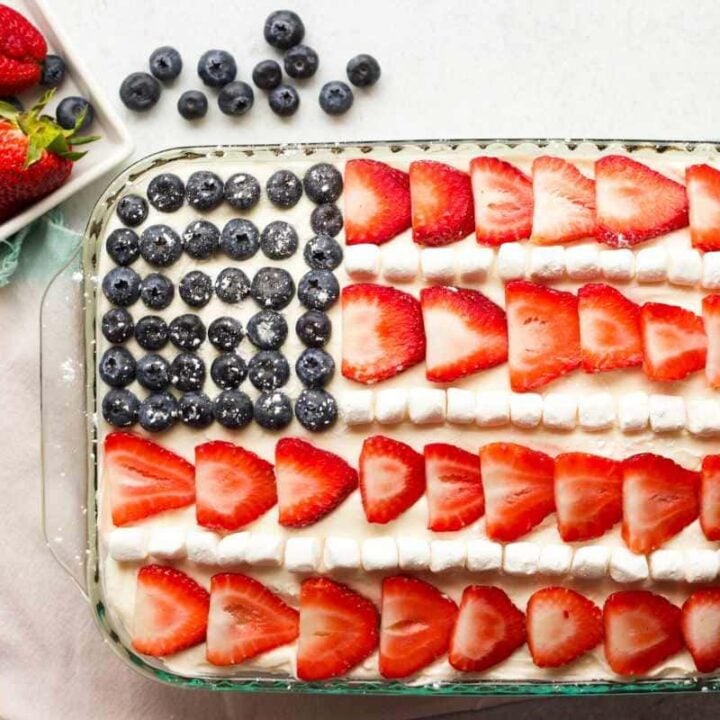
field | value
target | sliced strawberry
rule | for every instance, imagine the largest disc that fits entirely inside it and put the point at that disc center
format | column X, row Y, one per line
column 700, row 624
column 703, row 190
column 233, row 486
column 610, row 336
column 564, row 202
column 338, row 629
column 562, row 625
column 382, row 332
column 674, row 341
column 635, row 203
column 489, row 629
column 711, row 324
column 465, row 332
column 377, row 202
column 503, row 201
column 171, row 611
column 454, row 489
column 311, row 482
column 588, row 495
column 659, row 500
column 544, row 334
column 442, row 203
column 518, row 486
column 417, row 622
column 710, row 497
column 246, row 619
column 392, row 478
column 641, row 630
column 144, row 478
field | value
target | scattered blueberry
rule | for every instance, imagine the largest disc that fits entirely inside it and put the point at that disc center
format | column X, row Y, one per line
column 204, row 190
column 239, row 239
column 69, row 111
column 284, row 189
column 267, row 330
column 166, row 192
column 120, row 408
column 315, row 368
column 323, row 253
column 153, row 372
column 140, row 91
column 283, row 29
column 151, row 333
column 278, row 240
column 196, row 288
column 272, row 288
column 318, row 289
column 187, row 372
column 132, row 210
column 12, row 100
column 165, row 63
column 268, row 370
column 336, row 97
column 228, row 370
column 273, row 410
column 201, row 239
column 158, row 412
column 53, row 71
column 187, row 332
column 323, row 183
column 316, row 409
column 121, row 286
column 225, row 333
column 326, row 220
column 192, row 105
column 313, row 328
column 196, row 410
column 236, row 98
column 301, row 62
column 284, row 100
column 233, row 409
column 232, row 285
column 117, row 367
column 157, row 291
column 267, row 74
column 217, row 68
column 363, row 70
column 160, row 245
column 117, row 325
column 242, row 191
column 123, row 246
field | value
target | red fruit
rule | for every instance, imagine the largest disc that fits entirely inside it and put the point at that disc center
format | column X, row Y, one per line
column 171, row 611
column 488, row 630
column 503, row 201
column 659, row 500
column 610, row 336
column 417, row 622
column 22, row 51
column 562, row 625
column 700, row 624
column 641, row 630
column 711, row 324
column 703, row 190
column 518, row 486
column 233, row 486
column 454, row 489
column 246, row 619
column 392, row 478
column 465, row 332
column 442, row 203
column 710, row 497
column 144, row 478
column 544, row 334
column 588, row 495
column 311, row 482
column 382, row 332
column 635, row 203
column 377, row 202
column 564, row 202
column 674, row 341
column 338, row 629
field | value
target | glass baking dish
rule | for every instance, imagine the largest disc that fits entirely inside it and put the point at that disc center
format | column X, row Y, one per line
column 69, row 433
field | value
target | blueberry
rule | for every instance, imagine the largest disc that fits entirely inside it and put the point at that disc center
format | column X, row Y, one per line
column 336, row 97
column 165, row 63
column 318, row 289
column 140, row 91
column 301, row 62
column 242, row 191
column 283, row 29
column 123, row 246
column 236, row 98
column 267, row 74
column 315, row 368
column 267, row 330
column 323, row 183
column 192, row 105
column 160, row 245
column 239, row 239
column 132, row 210
column 166, row 192
column 316, row 409
column 217, row 68
column 232, row 285
column 121, row 286
column 279, row 240
column 117, row 325
column 187, row 332
column 151, row 332
column 196, row 288
column 157, row 291
column 326, row 220
column 117, row 367
column 313, row 328
column 120, row 408
column 204, row 190
column 158, row 412
column 284, row 100
column 228, row 370
column 153, row 372
column 233, row 409
column 272, row 288
column 323, row 253
column 201, row 239
column 196, row 410
column 12, row 100
column 268, row 370
column 225, row 333
column 363, row 70
column 273, row 410
column 284, row 189
column 187, row 372
column 53, row 71
column 71, row 109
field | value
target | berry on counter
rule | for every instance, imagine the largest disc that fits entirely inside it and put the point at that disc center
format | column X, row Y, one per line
column 323, row 183
column 283, row 29
column 233, row 409
column 313, row 328
column 132, row 210
column 232, row 285
column 284, row 100
column 336, row 97
column 279, row 240
column 228, row 370
column 318, row 289
column 268, row 370
column 315, row 368
column 217, row 68
column 117, row 367
column 225, row 333
column 121, row 286
column 363, row 70
column 236, row 98
column 123, row 246
column 196, row 410
column 284, row 189
column 70, row 110
column 166, row 192
column 166, row 63
column 267, row 74
column 316, row 410
column 267, row 330
column 240, row 239
column 201, row 239
column 140, row 91
column 323, row 253
column 15, row 102
column 120, row 408
column 157, row 291
column 204, row 190
column 187, row 332
column 158, row 412
column 196, row 288
column 192, row 105
column 301, row 62
column 272, row 288
column 242, row 191
column 151, row 333
column 160, row 245
column 326, row 219
column 273, row 410
column 187, row 372
column 22, row 51
column 53, row 71
column 153, row 372
column 117, row 325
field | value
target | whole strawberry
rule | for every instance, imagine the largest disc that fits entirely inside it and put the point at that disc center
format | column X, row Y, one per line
column 22, row 52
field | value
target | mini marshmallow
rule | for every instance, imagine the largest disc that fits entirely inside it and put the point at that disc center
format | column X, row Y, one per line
column 667, row 565
column 590, row 562
column 526, row 409
column 302, row 554
column 400, row 262
column 379, row 553
column 128, row 544
column 627, row 567
column 460, row 406
column 265, row 550
column 633, row 411
column 493, row 408
column 701, row 566
column 596, row 411
column 703, row 416
column 555, row 560
column 582, row 262
column 685, row 268
column 356, row 406
column 521, row 558
column 484, row 555
column 341, row 553
column 711, row 271
column 167, row 543
column 232, row 549
column 202, row 547
column 426, row 406
column 474, row 262
column 390, row 406
column 413, row 553
column 447, row 555
column 667, row 413
column 560, row 411
column 651, row 265
column 617, row 265
column 438, row 264
column 547, row 262
column 362, row 261
column 512, row 260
